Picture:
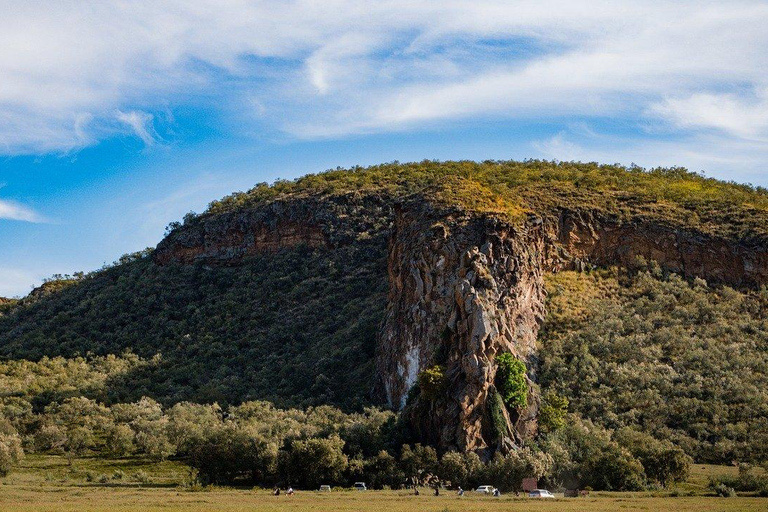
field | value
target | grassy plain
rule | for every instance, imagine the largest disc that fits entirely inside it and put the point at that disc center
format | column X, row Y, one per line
column 49, row 483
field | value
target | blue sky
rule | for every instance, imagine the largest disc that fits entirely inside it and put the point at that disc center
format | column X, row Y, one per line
column 117, row 118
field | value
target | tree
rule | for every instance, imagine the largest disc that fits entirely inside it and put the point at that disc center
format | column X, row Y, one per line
column 453, row 468
column 313, row 461
column 552, row 412
column 188, row 423
column 432, row 382
column 119, row 440
column 507, row 472
column 584, row 454
column 50, row 437
column 79, row 439
column 382, row 470
column 231, row 452
column 152, row 438
column 662, row 461
column 418, row 462
column 11, row 452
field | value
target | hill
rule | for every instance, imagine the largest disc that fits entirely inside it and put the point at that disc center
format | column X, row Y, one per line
column 345, row 287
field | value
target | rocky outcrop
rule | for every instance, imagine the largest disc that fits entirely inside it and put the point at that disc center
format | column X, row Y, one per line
column 229, row 238
column 578, row 237
column 464, row 287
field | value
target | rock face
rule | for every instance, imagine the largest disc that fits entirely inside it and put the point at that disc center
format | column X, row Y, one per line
column 462, row 290
column 464, row 287
column 589, row 237
column 229, row 238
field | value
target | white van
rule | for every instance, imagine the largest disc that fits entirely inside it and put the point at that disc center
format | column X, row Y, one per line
column 325, row 488
column 360, row 486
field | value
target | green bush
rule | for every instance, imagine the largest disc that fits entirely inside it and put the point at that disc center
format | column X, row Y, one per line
column 495, row 411
column 511, row 381
column 630, row 349
column 584, row 455
column 662, row 461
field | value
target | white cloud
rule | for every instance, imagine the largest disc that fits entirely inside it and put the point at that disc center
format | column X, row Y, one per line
column 333, row 68
column 743, row 116
column 14, row 211
column 725, row 158
column 140, row 123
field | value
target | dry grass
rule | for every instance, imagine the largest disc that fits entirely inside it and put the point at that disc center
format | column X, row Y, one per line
column 47, row 483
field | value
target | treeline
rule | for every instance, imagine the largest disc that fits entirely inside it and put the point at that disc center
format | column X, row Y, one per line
column 258, row 444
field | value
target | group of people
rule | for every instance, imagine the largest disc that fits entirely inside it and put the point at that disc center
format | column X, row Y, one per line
column 276, row 492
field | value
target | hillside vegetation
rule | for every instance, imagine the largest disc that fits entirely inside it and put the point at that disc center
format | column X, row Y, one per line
column 297, row 327
column 515, row 188
column 639, row 369
column 680, row 360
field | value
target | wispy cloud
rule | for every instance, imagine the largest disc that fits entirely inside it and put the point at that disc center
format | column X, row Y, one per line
column 14, row 211
column 341, row 67
column 140, row 123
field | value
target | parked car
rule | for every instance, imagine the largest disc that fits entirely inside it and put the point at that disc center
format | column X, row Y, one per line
column 325, row 488
column 486, row 489
column 360, row 486
column 540, row 493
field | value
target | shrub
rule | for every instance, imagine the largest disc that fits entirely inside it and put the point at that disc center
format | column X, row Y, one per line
column 724, row 491
column 552, row 412
column 432, row 382
column 495, row 411
column 510, row 380
column 661, row 460
column 141, row 476
column 584, row 454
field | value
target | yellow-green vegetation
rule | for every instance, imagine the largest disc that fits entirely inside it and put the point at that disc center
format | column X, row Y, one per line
column 50, row 483
column 514, row 188
column 52, row 378
column 510, row 380
column 680, row 360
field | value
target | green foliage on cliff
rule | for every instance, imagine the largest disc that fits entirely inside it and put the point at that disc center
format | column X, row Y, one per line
column 552, row 412
column 680, row 360
column 510, row 380
column 432, row 382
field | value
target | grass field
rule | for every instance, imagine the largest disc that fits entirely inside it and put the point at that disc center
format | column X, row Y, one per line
column 48, row 483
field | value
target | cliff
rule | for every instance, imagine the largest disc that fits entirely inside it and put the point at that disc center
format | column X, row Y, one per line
column 464, row 286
